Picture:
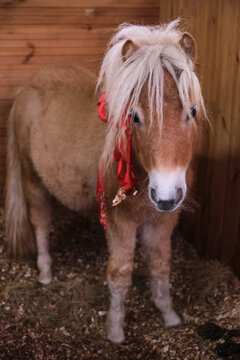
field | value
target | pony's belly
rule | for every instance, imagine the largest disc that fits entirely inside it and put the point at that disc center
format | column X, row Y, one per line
column 76, row 201
column 68, row 174
column 73, row 187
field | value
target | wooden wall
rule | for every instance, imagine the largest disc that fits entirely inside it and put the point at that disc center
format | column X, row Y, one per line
column 215, row 227
column 34, row 33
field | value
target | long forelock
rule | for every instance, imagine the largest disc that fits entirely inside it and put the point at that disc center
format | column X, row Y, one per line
column 158, row 48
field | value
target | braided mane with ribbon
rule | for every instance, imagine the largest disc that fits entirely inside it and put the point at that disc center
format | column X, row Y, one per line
column 125, row 174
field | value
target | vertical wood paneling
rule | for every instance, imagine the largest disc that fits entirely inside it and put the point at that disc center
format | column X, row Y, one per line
column 215, row 225
column 34, row 33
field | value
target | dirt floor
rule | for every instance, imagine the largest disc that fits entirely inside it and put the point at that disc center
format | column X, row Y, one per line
column 65, row 320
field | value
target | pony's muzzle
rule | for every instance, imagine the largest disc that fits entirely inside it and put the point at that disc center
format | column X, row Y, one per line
column 167, row 189
column 166, row 205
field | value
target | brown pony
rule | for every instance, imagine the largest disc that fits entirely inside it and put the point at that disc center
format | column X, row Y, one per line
column 56, row 143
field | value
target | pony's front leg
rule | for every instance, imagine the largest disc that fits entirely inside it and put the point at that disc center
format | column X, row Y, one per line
column 157, row 248
column 121, row 241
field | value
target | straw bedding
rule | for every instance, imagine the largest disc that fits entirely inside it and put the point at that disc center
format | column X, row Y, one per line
column 65, row 320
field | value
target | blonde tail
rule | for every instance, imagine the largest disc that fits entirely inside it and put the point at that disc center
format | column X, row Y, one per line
column 19, row 231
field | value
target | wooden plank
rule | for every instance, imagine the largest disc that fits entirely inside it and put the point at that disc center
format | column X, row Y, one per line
column 52, row 51
column 74, row 20
column 59, row 29
column 2, row 148
column 81, row 3
column 3, row 161
column 208, row 71
column 88, row 11
column 60, row 43
column 3, row 119
column 13, row 81
column 45, row 60
column 3, row 134
column 3, row 141
column 231, row 224
column 221, row 137
column 3, row 122
column 88, row 35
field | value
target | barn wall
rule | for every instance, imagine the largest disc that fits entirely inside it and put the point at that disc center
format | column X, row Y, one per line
column 34, row 33
column 214, row 226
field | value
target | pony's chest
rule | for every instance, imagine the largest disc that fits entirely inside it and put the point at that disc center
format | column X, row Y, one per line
column 135, row 208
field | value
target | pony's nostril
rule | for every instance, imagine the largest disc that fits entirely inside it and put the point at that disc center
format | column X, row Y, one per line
column 179, row 195
column 153, row 194
column 166, row 205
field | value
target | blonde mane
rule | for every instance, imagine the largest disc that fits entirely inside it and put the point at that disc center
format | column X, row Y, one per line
column 158, row 48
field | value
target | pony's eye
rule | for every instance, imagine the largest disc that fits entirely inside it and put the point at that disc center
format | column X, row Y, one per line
column 135, row 118
column 193, row 111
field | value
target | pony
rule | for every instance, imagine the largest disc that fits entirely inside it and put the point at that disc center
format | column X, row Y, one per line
column 57, row 144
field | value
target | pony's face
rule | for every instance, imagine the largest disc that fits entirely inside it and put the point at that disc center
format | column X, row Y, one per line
column 164, row 153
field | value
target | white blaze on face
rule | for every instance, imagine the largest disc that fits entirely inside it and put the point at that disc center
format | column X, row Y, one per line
column 167, row 188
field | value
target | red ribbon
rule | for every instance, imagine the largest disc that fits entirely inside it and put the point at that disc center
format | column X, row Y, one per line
column 125, row 174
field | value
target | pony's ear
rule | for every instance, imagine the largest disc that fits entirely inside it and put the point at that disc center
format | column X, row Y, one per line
column 128, row 49
column 188, row 44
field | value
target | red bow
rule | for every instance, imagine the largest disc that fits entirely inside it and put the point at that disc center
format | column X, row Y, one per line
column 125, row 174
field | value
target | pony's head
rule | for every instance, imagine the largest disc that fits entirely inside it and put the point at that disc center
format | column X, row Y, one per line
column 151, row 70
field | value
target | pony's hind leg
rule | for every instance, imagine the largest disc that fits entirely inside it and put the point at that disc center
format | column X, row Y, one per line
column 40, row 213
column 156, row 243
column 121, row 241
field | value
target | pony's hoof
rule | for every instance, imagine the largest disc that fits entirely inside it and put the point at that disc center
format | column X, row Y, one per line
column 116, row 336
column 45, row 280
column 171, row 319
